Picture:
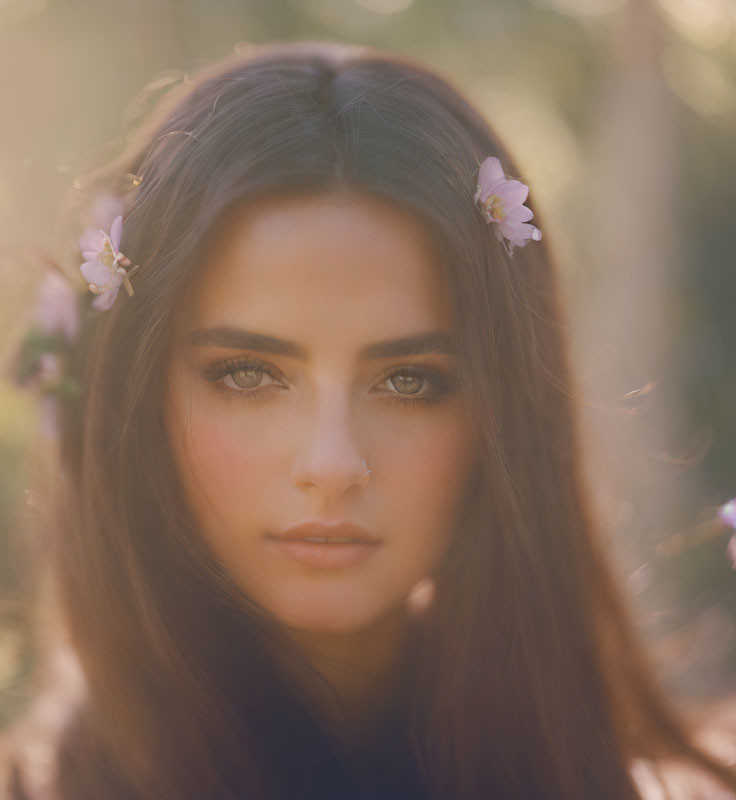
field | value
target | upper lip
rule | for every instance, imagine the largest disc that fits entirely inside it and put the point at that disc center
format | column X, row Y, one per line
column 327, row 529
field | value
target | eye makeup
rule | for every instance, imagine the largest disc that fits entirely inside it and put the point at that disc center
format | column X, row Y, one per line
column 440, row 383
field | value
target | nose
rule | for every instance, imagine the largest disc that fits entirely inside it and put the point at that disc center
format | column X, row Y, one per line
column 330, row 458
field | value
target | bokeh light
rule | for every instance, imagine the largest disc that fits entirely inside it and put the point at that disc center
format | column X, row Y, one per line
column 708, row 23
column 582, row 8
column 621, row 116
column 385, row 6
column 700, row 81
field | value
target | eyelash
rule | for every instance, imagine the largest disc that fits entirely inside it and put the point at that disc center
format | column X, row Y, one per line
column 216, row 372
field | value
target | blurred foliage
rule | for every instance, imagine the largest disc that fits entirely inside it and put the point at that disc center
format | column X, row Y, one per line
column 623, row 118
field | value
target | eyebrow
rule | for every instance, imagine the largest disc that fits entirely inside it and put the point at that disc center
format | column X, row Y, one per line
column 240, row 339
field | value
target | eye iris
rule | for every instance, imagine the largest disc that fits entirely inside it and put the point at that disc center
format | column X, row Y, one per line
column 411, row 382
column 246, row 377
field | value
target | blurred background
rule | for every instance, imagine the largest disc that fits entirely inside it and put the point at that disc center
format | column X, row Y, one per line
column 622, row 116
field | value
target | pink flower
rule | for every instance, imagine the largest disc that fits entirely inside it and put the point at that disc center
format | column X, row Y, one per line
column 103, row 210
column 501, row 202
column 49, row 368
column 731, row 551
column 92, row 240
column 49, row 424
column 57, row 307
column 727, row 513
column 103, row 266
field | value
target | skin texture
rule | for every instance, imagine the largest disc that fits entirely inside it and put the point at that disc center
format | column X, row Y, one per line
column 332, row 273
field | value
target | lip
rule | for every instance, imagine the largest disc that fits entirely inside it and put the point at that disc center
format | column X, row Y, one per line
column 291, row 541
column 334, row 529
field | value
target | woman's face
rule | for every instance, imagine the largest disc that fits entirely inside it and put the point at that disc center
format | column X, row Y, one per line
column 319, row 334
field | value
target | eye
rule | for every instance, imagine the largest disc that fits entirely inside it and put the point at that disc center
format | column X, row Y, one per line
column 242, row 379
column 410, row 382
column 407, row 382
column 245, row 377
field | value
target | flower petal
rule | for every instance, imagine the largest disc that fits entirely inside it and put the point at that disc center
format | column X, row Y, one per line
column 56, row 308
column 512, row 193
column 92, row 240
column 95, row 272
column 49, row 367
column 731, row 551
column 490, row 173
column 116, row 231
column 105, row 300
column 727, row 513
column 519, row 214
column 105, row 207
column 519, row 233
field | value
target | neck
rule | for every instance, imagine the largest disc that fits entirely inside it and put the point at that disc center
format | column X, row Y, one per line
column 362, row 668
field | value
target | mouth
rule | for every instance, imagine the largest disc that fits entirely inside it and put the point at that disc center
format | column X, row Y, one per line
column 324, row 555
column 321, row 545
column 321, row 539
column 327, row 532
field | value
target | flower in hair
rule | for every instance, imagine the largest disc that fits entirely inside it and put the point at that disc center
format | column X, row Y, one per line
column 501, row 202
column 102, row 211
column 38, row 359
column 104, row 266
column 727, row 515
column 41, row 358
column 57, row 307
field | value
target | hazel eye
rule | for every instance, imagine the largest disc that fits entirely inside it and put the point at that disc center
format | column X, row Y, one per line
column 244, row 377
column 407, row 382
column 408, row 386
column 416, row 386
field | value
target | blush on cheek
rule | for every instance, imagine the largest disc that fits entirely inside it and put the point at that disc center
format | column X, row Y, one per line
column 223, row 462
column 440, row 460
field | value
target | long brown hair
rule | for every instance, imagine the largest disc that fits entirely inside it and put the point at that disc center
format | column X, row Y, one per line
column 530, row 680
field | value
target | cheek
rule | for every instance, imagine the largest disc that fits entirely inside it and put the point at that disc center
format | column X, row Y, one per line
column 225, row 461
column 434, row 460
column 223, row 467
column 431, row 467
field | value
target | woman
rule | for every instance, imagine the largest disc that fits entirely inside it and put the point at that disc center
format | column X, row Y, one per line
column 322, row 339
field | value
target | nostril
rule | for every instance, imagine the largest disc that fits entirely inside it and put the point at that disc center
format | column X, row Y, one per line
column 333, row 478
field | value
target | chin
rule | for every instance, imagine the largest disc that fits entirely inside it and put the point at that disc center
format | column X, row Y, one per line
column 333, row 619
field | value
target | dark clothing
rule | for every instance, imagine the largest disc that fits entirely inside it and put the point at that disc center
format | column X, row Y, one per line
column 390, row 775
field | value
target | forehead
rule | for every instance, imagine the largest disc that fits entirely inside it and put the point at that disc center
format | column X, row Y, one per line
column 311, row 264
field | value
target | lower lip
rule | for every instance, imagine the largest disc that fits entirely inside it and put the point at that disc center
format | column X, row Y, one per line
column 325, row 555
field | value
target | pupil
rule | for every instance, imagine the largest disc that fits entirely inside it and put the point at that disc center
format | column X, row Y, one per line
column 410, row 382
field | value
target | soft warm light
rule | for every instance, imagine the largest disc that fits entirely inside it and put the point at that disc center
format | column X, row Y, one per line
column 699, row 80
column 421, row 597
column 539, row 138
column 351, row 20
column 543, row 144
column 385, row 6
column 581, row 8
column 14, row 11
column 708, row 23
